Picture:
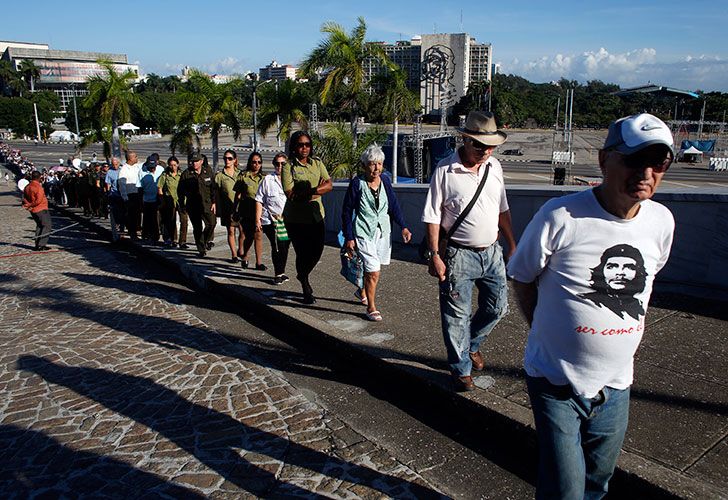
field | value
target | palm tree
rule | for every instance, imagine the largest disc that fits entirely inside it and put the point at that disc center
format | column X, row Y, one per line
column 337, row 149
column 342, row 57
column 30, row 72
column 398, row 103
column 204, row 101
column 111, row 98
column 285, row 103
column 11, row 79
column 184, row 139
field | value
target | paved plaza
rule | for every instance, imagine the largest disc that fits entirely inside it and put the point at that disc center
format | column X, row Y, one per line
column 111, row 388
column 111, row 380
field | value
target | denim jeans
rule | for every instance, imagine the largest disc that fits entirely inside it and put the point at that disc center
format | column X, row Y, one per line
column 579, row 439
column 462, row 331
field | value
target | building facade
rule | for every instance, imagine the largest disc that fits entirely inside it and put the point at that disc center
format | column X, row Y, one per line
column 64, row 72
column 439, row 67
column 275, row 71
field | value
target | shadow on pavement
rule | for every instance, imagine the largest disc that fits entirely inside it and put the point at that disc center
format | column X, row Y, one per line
column 210, row 436
column 33, row 463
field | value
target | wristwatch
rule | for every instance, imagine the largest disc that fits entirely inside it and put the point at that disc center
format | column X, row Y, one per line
column 429, row 254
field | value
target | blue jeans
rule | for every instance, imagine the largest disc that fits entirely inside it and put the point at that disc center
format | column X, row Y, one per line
column 579, row 439
column 467, row 269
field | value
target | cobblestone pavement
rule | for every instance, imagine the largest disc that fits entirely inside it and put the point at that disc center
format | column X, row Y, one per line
column 112, row 388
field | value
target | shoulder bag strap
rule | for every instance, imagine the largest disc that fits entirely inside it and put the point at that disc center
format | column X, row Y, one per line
column 467, row 210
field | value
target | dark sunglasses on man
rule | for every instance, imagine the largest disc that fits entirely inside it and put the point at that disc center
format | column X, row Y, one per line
column 477, row 144
column 658, row 158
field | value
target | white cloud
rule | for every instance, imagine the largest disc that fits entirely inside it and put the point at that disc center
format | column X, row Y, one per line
column 636, row 67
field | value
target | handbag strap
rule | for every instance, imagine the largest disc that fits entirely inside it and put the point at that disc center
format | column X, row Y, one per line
column 470, row 206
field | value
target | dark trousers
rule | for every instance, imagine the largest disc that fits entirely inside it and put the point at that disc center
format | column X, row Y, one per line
column 203, row 235
column 150, row 222
column 308, row 242
column 43, row 226
column 118, row 211
column 133, row 214
column 279, row 249
column 168, row 217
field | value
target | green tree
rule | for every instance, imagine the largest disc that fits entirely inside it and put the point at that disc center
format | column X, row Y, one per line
column 16, row 114
column 111, row 98
column 287, row 102
column 336, row 148
column 30, row 72
column 342, row 58
column 213, row 104
column 184, row 139
column 11, row 80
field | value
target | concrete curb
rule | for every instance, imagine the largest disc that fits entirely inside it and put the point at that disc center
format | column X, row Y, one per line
column 638, row 475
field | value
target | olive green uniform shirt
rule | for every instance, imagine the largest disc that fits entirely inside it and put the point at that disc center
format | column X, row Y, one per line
column 302, row 178
column 168, row 183
column 247, row 184
column 226, row 192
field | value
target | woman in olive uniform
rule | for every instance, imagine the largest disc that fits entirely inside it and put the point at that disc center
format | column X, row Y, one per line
column 226, row 180
column 246, row 188
column 305, row 179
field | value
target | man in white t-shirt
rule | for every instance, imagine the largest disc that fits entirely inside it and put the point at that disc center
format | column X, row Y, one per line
column 583, row 276
column 129, row 185
column 472, row 258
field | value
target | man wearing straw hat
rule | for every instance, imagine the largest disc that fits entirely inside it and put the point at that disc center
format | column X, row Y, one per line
column 465, row 208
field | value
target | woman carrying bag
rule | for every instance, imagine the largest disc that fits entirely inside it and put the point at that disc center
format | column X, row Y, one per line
column 270, row 201
column 368, row 205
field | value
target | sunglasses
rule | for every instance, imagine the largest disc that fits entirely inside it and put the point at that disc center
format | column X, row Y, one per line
column 279, row 163
column 256, row 162
column 303, row 144
column 477, row 144
column 229, row 158
column 656, row 159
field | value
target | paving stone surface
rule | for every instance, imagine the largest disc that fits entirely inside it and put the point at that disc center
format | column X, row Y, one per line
column 112, row 388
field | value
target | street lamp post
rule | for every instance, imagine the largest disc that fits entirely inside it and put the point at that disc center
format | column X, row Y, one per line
column 254, row 78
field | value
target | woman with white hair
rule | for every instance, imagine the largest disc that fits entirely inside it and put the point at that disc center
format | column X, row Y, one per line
column 366, row 223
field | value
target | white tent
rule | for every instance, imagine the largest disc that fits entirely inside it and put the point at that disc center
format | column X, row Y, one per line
column 692, row 154
column 63, row 136
column 128, row 127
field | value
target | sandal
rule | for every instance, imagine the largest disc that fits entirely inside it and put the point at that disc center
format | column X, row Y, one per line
column 374, row 316
column 234, row 260
column 261, row 267
column 244, row 264
column 361, row 298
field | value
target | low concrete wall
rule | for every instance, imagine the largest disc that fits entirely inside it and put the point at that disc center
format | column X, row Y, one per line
column 699, row 257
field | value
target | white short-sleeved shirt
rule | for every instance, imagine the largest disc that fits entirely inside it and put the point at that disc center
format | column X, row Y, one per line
column 452, row 186
column 270, row 194
column 594, row 273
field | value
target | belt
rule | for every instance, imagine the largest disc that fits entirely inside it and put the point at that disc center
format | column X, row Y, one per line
column 455, row 244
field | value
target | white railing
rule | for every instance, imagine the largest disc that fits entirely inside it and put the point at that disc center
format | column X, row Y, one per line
column 718, row 164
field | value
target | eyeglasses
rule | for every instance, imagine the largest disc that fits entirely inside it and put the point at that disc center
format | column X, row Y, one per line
column 229, row 158
column 303, row 144
column 656, row 159
column 477, row 144
column 256, row 162
column 279, row 163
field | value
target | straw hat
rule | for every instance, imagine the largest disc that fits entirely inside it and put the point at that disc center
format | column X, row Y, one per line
column 481, row 126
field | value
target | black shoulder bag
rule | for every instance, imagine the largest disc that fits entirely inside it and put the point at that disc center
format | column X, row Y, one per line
column 444, row 236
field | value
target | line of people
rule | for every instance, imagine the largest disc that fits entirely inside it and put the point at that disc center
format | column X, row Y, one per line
column 156, row 197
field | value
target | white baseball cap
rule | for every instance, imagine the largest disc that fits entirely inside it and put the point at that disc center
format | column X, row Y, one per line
column 634, row 133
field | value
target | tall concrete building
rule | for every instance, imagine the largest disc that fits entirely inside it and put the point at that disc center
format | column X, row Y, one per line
column 65, row 72
column 440, row 67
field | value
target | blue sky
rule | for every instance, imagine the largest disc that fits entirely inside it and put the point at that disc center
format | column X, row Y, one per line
column 680, row 44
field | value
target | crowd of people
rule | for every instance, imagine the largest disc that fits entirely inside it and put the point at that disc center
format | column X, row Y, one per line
column 582, row 271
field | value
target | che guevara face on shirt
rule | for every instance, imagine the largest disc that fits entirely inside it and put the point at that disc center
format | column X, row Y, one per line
column 619, row 276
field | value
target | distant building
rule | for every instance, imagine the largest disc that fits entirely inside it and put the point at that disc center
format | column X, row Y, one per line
column 275, row 71
column 439, row 66
column 65, row 72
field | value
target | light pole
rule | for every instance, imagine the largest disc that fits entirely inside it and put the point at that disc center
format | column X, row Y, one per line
column 254, row 79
